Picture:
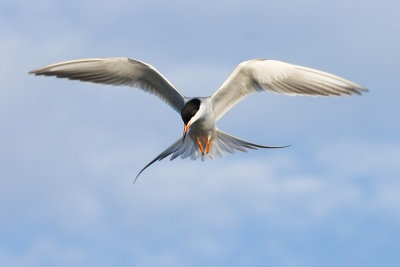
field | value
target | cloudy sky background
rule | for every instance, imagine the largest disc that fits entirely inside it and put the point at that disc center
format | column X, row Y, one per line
column 69, row 151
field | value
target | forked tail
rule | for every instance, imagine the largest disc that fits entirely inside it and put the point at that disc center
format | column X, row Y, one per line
column 188, row 148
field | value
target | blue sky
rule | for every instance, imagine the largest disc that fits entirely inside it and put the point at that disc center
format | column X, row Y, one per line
column 70, row 150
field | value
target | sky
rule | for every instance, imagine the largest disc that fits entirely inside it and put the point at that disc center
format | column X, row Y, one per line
column 69, row 151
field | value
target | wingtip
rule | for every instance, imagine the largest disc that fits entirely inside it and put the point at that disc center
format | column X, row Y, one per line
column 359, row 90
column 37, row 71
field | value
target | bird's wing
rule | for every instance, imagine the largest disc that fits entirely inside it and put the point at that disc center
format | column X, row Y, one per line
column 117, row 71
column 279, row 77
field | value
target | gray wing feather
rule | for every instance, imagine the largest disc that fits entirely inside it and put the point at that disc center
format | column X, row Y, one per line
column 117, row 71
column 279, row 77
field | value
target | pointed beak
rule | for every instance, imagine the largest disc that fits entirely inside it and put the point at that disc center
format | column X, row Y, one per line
column 185, row 130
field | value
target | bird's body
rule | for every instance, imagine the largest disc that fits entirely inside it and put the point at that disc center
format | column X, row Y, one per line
column 204, row 129
column 201, row 136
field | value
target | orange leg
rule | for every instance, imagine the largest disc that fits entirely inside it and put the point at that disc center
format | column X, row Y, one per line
column 201, row 148
column 208, row 145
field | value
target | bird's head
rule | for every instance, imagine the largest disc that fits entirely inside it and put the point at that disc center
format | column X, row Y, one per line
column 190, row 113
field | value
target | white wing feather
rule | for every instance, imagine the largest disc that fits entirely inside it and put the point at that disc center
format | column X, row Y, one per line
column 279, row 77
column 117, row 71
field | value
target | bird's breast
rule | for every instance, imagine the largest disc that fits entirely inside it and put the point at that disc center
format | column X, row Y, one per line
column 203, row 127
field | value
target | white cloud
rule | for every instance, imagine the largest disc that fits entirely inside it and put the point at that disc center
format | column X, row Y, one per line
column 228, row 191
column 362, row 157
column 70, row 151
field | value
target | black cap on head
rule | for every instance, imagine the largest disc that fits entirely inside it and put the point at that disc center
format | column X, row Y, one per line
column 190, row 109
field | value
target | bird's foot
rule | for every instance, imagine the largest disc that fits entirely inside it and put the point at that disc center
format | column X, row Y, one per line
column 200, row 146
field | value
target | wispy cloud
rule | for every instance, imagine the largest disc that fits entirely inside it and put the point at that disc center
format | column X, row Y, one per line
column 70, row 151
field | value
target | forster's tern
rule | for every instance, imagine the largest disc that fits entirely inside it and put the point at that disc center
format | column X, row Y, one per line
column 201, row 137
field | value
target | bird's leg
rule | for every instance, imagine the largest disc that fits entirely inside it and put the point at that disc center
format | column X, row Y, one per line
column 200, row 146
column 208, row 144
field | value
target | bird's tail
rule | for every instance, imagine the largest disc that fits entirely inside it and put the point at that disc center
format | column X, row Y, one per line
column 187, row 147
column 228, row 143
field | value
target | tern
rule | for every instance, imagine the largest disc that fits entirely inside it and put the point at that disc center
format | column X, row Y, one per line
column 201, row 136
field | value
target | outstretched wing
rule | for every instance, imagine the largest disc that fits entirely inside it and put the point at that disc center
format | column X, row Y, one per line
column 117, row 71
column 279, row 77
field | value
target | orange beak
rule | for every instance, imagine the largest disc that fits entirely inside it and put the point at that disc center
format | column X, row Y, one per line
column 185, row 130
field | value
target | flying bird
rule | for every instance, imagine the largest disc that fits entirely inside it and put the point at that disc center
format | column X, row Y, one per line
column 201, row 136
